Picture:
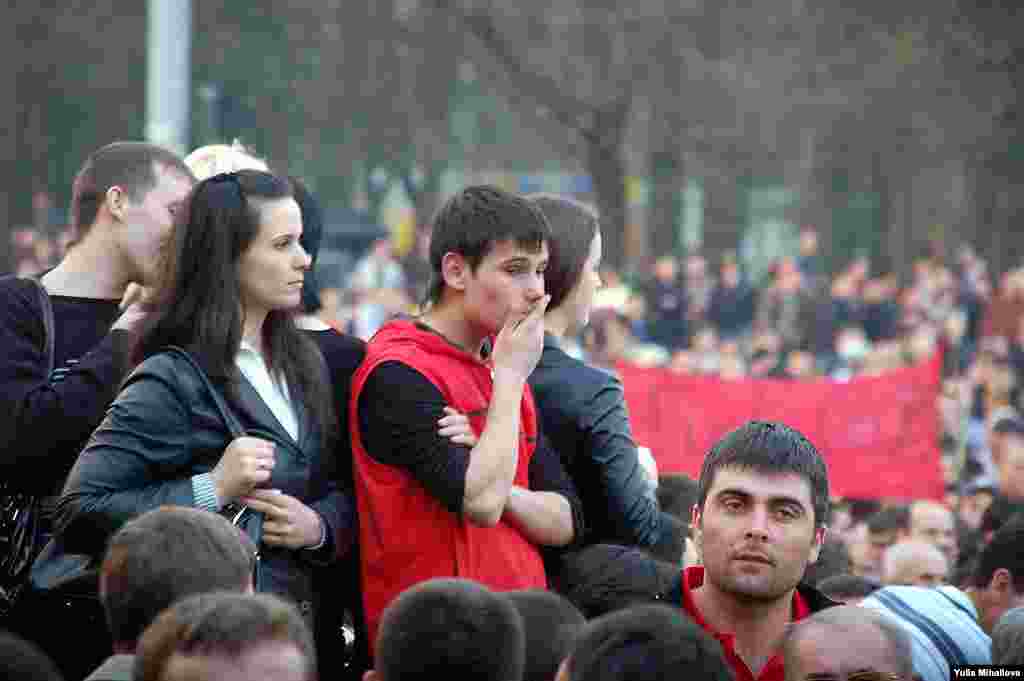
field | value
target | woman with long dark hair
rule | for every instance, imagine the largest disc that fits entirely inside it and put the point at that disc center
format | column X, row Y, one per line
column 232, row 278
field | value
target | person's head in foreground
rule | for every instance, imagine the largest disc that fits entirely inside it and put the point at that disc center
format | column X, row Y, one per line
column 644, row 643
column 449, row 629
column 550, row 623
column 847, row 642
column 225, row 636
column 163, row 556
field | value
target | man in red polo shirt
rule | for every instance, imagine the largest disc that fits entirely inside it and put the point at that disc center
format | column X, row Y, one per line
column 758, row 523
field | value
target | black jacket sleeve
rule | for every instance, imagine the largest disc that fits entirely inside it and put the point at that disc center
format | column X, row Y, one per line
column 608, row 439
column 38, row 419
column 134, row 462
column 583, row 410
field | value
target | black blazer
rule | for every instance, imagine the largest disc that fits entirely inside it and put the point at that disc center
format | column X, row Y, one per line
column 583, row 414
column 162, row 429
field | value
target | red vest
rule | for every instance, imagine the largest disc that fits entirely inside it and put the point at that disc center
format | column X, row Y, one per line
column 406, row 535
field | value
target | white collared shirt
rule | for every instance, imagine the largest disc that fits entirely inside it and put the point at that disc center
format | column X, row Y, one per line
column 273, row 392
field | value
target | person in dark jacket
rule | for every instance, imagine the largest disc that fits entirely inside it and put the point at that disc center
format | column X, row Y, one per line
column 337, row 585
column 232, row 279
column 582, row 408
column 731, row 310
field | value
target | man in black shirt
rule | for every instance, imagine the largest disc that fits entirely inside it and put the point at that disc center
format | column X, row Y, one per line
column 123, row 202
column 124, row 198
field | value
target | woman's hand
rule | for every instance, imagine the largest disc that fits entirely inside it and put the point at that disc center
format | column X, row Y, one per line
column 455, row 426
column 287, row 521
column 246, row 463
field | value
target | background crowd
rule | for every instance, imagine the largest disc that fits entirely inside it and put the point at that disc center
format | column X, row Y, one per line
column 798, row 325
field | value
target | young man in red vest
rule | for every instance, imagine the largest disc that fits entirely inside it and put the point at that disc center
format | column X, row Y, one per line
column 759, row 521
column 433, row 506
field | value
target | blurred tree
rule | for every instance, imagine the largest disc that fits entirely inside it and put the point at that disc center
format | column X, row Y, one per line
column 76, row 71
column 577, row 64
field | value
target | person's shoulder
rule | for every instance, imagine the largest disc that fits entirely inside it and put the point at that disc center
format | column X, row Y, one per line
column 16, row 292
column 165, row 366
column 339, row 348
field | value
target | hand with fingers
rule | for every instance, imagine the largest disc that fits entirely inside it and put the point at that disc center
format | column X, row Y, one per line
column 455, row 426
column 519, row 344
column 246, row 463
column 287, row 522
column 135, row 305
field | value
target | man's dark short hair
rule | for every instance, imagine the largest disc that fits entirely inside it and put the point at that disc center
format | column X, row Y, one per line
column 221, row 624
column 450, row 629
column 677, row 493
column 167, row 554
column 769, row 448
column 671, row 544
column 604, row 578
column 833, row 559
column 472, row 221
column 890, row 519
column 845, row 587
column 1004, row 550
column 550, row 624
column 647, row 642
column 129, row 165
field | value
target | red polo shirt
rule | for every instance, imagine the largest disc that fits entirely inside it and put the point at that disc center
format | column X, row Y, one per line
column 693, row 577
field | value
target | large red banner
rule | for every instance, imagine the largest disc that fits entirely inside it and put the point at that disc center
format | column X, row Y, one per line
column 879, row 435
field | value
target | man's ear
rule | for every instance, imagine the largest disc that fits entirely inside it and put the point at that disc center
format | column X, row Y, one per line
column 695, row 529
column 454, row 271
column 115, row 201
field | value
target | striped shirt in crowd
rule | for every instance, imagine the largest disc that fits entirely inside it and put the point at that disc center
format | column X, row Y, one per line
column 942, row 624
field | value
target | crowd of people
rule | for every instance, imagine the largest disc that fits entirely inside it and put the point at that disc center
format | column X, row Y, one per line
column 229, row 476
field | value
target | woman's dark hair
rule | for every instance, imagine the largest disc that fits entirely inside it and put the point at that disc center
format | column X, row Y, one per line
column 312, row 234
column 573, row 227
column 198, row 303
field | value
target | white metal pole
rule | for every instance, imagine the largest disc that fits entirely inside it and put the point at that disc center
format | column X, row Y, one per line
column 168, row 72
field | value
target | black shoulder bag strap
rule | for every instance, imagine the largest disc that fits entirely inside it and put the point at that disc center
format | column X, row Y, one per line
column 240, row 515
column 226, row 413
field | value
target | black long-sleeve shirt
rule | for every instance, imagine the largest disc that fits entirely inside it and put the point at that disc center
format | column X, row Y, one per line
column 404, row 433
column 45, row 421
